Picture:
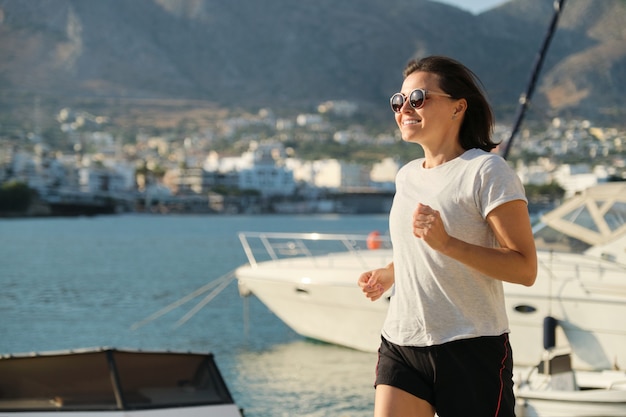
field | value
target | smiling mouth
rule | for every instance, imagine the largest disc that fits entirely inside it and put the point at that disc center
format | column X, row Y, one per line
column 410, row 122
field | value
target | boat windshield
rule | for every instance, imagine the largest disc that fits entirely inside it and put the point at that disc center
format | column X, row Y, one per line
column 576, row 230
column 616, row 217
column 549, row 239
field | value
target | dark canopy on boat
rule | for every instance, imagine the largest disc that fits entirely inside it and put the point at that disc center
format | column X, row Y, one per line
column 110, row 379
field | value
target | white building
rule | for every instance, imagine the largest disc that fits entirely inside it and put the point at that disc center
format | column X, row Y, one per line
column 575, row 178
column 268, row 179
column 261, row 168
column 535, row 174
column 95, row 180
column 385, row 171
column 334, row 174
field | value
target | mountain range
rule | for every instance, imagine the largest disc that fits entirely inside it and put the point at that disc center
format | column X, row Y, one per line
column 283, row 53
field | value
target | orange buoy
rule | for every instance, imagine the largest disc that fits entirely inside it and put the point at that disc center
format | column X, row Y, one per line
column 373, row 240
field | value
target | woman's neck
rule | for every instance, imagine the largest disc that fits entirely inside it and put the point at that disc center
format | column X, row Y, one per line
column 436, row 157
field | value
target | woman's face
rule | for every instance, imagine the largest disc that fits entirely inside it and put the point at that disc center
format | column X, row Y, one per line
column 434, row 120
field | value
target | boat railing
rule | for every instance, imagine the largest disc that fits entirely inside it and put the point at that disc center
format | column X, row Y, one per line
column 263, row 246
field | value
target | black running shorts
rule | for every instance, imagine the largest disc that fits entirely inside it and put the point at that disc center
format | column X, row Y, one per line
column 469, row 377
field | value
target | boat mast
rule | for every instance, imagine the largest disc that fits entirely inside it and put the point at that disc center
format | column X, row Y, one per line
column 524, row 99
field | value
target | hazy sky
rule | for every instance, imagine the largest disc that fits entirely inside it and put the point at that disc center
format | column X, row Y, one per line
column 474, row 6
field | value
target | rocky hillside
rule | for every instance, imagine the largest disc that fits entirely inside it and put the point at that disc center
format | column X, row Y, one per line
column 283, row 53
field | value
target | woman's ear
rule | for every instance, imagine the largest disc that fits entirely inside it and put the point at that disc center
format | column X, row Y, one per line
column 459, row 108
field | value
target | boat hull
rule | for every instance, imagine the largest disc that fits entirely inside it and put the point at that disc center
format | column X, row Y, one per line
column 325, row 303
column 559, row 405
column 201, row 411
column 328, row 308
column 607, row 401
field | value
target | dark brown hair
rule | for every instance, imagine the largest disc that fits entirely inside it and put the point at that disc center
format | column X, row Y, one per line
column 460, row 82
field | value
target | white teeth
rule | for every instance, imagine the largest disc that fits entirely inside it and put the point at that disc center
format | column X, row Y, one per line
column 410, row 122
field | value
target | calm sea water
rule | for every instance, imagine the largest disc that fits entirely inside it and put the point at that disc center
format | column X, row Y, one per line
column 69, row 283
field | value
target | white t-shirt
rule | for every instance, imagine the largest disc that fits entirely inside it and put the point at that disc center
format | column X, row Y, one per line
column 437, row 299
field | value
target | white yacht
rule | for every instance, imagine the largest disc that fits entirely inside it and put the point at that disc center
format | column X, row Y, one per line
column 578, row 302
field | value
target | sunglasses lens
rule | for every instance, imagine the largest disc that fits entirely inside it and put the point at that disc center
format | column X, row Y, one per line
column 416, row 98
column 397, row 101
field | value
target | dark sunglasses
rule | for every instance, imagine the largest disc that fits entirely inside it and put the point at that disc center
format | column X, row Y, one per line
column 416, row 99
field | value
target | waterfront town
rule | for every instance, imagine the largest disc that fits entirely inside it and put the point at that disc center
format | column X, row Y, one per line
column 175, row 173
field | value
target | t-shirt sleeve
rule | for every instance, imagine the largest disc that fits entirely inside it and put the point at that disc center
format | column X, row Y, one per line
column 499, row 184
